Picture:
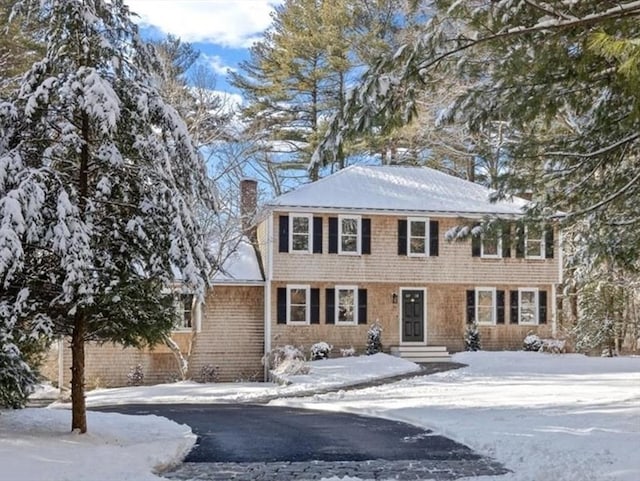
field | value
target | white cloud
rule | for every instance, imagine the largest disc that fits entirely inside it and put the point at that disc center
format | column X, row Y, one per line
column 215, row 63
column 231, row 23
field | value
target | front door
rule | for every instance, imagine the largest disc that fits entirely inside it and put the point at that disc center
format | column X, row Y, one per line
column 412, row 316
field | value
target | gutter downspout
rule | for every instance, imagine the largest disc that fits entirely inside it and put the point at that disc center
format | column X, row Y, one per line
column 267, row 294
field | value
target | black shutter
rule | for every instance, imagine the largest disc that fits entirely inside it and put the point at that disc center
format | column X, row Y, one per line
column 366, row 236
column 500, row 307
column 471, row 306
column 506, row 240
column 476, row 242
column 548, row 242
column 333, row 235
column 542, row 307
column 315, row 306
column 362, row 306
column 317, row 235
column 433, row 238
column 402, row 237
column 520, row 240
column 513, row 302
column 330, row 299
column 283, row 244
column 282, row 305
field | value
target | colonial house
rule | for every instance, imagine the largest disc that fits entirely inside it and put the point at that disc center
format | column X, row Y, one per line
column 365, row 245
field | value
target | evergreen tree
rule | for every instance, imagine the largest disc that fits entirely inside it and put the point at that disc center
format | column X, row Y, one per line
column 472, row 338
column 298, row 75
column 98, row 179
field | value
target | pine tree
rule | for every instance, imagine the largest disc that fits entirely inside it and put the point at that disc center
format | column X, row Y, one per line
column 298, row 75
column 472, row 338
column 98, row 179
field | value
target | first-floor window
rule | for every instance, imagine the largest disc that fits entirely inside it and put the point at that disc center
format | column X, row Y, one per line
column 486, row 305
column 346, row 305
column 298, row 304
column 528, row 306
column 184, row 307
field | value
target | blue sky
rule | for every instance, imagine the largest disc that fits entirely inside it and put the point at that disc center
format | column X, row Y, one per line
column 222, row 30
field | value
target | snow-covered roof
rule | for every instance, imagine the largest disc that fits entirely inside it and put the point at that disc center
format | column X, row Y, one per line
column 240, row 266
column 397, row 188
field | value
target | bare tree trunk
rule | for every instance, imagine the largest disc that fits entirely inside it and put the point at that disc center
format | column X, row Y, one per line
column 78, row 404
column 183, row 362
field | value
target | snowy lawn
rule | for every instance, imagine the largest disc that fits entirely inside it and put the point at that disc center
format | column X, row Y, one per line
column 325, row 374
column 545, row 417
column 37, row 445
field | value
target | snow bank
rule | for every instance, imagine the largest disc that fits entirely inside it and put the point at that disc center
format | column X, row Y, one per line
column 36, row 445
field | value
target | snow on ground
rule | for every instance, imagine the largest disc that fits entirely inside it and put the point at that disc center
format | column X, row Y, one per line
column 545, row 417
column 37, row 445
column 325, row 374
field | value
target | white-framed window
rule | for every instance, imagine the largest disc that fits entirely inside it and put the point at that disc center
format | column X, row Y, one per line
column 491, row 244
column 185, row 309
column 528, row 305
column 300, row 232
column 486, row 305
column 534, row 242
column 346, row 305
column 298, row 304
column 349, row 232
column 417, row 236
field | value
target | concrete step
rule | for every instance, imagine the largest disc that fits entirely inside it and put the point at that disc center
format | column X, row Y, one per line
column 422, row 353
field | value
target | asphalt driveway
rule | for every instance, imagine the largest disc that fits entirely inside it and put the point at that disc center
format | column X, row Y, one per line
column 244, row 433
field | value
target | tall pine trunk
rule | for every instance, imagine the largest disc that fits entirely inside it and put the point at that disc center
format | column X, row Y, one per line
column 78, row 404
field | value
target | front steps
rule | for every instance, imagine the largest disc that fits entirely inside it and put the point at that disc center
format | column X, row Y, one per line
column 421, row 354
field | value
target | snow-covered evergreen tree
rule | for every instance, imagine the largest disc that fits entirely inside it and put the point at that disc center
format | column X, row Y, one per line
column 472, row 338
column 98, row 182
column 374, row 340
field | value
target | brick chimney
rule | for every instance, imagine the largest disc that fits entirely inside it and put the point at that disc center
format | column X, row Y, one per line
column 248, row 207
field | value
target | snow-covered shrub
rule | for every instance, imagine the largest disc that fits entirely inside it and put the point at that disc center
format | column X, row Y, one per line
column 555, row 346
column 348, row 352
column 320, row 350
column 374, row 339
column 286, row 360
column 135, row 376
column 279, row 354
column 209, row 373
column 532, row 343
column 472, row 338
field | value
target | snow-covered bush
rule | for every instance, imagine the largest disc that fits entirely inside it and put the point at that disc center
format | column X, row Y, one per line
column 286, row 360
column 135, row 376
column 532, row 343
column 374, row 341
column 472, row 338
column 348, row 352
column 209, row 373
column 320, row 350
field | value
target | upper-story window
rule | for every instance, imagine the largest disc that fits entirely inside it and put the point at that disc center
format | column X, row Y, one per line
column 491, row 244
column 418, row 237
column 534, row 242
column 300, row 232
column 349, row 231
column 485, row 305
column 184, row 312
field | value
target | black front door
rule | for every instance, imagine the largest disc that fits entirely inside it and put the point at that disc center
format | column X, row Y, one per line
column 412, row 316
